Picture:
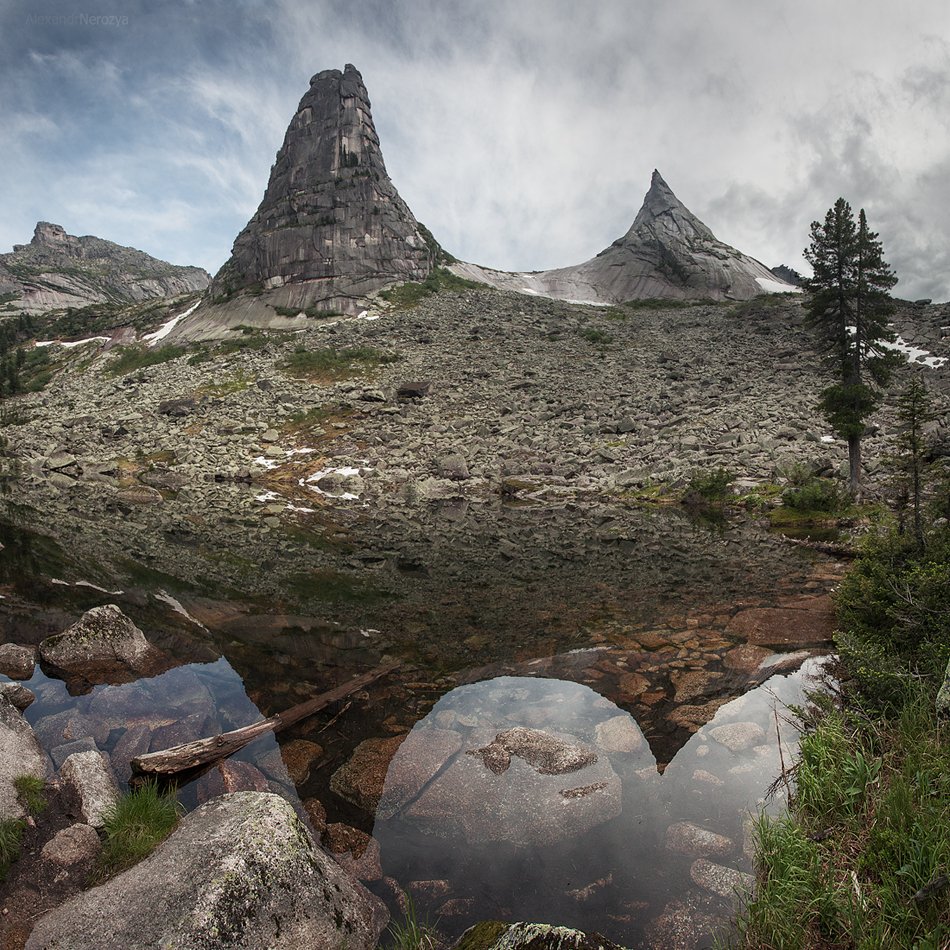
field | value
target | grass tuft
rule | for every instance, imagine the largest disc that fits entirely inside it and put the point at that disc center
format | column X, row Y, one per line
column 131, row 358
column 29, row 790
column 332, row 364
column 412, row 293
column 11, row 834
column 136, row 825
column 411, row 933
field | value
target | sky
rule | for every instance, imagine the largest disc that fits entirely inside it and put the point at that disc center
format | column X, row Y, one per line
column 523, row 133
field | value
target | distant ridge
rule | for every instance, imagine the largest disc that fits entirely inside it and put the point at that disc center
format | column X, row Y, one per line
column 57, row 270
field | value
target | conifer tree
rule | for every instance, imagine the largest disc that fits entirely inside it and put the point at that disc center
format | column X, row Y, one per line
column 849, row 305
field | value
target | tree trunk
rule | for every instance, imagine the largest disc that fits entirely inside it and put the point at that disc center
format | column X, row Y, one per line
column 854, row 461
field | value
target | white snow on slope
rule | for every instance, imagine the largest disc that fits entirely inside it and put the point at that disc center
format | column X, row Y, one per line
column 776, row 286
column 916, row 355
column 71, row 344
column 158, row 335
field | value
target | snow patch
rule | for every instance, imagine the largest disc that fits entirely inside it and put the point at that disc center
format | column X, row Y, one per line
column 914, row 354
column 265, row 462
column 827, row 439
column 70, row 344
column 776, row 286
column 175, row 605
column 154, row 338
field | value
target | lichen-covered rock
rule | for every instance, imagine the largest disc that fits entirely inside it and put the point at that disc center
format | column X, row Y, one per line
column 89, row 785
column 20, row 754
column 103, row 644
column 240, row 871
column 494, row 935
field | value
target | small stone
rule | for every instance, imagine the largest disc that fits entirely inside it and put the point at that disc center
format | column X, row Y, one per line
column 317, row 815
column 73, row 845
column 270, row 435
column 229, row 777
column 19, row 696
column 723, row 881
column 620, row 734
column 355, row 851
column 360, row 780
column 299, row 756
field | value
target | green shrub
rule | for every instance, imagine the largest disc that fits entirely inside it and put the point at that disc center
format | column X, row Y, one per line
column 412, row 293
column 816, row 494
column 710, row 487
column 136, row 825
column 599, row 337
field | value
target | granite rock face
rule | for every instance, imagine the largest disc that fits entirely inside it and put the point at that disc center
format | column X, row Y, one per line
column 57, row 269
column 240, row 871
column 331, row 226
column 668, row 252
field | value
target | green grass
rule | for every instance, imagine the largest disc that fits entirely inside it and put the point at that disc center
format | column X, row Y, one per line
column 136, row 825
column 708, row 487
column 412, row 293
column 598, row 337
column 411, row 933
column 862, row 858
column 131, row 358
column 29, row 790
column 11, row 834
column 331, row 364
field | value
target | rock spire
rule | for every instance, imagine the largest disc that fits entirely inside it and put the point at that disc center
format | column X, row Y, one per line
column 331, row 226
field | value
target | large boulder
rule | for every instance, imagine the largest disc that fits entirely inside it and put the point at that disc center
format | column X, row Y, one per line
column 16, row 661
column 240, row 871
column 102, row 646
column 90, row 786
column 20, row 754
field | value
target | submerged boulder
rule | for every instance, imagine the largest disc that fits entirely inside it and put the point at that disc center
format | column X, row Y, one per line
column 494, row 935
column 102, row 646
column 240, row 871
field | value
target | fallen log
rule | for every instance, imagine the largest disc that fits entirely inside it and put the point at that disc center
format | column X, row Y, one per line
column 190, row 758
column 825, row 547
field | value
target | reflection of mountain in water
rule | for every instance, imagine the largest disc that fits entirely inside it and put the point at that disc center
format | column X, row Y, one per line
column 609, row 840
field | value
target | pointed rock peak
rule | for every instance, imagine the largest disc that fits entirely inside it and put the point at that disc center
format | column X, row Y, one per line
column 331, row 226
column 662, row 209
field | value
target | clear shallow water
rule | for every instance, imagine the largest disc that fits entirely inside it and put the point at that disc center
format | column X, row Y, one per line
column 471, row 844
column 597, row 627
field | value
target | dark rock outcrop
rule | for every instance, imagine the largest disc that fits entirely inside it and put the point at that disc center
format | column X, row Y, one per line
column 667, row 253
column 57, row 270
column 331, row 226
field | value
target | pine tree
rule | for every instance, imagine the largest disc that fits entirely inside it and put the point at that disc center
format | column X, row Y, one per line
column 849, row 305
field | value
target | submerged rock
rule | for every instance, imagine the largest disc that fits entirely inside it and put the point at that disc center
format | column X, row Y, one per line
column 240, row 871
column 495, row 935
column 361, row 779
column 684, row 837
column 723, row 881
column 544, row 752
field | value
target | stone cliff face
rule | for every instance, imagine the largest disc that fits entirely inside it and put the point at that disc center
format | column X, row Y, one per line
column 668, row 253
column 58, row 270
column 331, row 226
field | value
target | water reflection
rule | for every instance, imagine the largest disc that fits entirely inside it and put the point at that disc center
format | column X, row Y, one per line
column 604, row 846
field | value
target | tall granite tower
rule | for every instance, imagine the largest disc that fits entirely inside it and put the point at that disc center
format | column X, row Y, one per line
column 331, row 226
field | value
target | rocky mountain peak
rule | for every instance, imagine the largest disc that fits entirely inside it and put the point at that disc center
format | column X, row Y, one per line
column 53, row 235
column 331, row 226
column 663, row 214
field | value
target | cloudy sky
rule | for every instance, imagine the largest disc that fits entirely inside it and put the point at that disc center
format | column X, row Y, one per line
column 522, row 132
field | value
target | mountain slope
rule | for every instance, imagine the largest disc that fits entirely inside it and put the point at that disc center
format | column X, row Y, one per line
column 57, row 270
column 667, row 253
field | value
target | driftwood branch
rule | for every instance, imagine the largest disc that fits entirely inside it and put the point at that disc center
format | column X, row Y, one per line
column 191, row 757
